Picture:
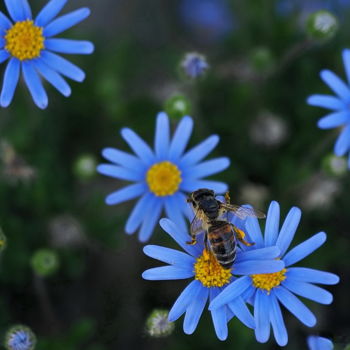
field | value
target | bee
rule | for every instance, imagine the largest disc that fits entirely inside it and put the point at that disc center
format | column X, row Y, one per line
column 211, row 216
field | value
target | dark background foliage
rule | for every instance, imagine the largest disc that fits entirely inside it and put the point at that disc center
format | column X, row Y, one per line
column 263, row 64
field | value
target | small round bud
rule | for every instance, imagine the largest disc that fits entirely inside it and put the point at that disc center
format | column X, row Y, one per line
column 194, row 65
column 177, row 106
column 157, row 324
column 321, row 25
column 3, row 240
column 261, row 59
column 336, row 166
column 45, row 262
column 85, row 166
column 20, row 337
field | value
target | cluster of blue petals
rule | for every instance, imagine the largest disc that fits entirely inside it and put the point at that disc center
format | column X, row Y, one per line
column 133, row 168
column 20, row 339
column 48, row 65
column 338, row 105
column 315, row 342
column 299, row 280
column 195, row 296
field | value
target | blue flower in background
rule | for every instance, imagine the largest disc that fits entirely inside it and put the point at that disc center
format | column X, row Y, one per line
column 194, row 65
column 20, row 338
column 29, row 45
column 319, row 343
column 339, row 106
column 267, row 291
column 209, row 19
column 162, row 175
column 210, row 278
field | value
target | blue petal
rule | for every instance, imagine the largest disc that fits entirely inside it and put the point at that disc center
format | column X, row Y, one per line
column 288, row 229
column 69, row 46
column 138, row 213
column 326, row 101
column 186, row 209
column 207, row 168
column 200, row 151
column 52, row 77
column 231, row 292
column 346, row 61
column 304, row 274
column 192, row 185
column 336, row 84
column 240, row 309
column 308, row 291
column 349, row 162
column 4, row 55
column 62, row 66
column 184, row 299
column 173, row 209
column 126, row 193
column 295, row 306
column 15, row 9
column 139, row 146
column 194, row 311
column 49, row 11
column 34, row 84
column 122, row 158
column 334, row 120
column 258, row 254
column 219, row 317
column 2, row 42
column 5, row 23
column 272, row 224
column 119, row 172
column 151, row 219
column 319, row 343
column 180, row 139
column 164, row 273
column 343, row 142
column 162, row 136
column 304, row 249
column 10, row 82
column 261, row 316
column 277, row 322
column 64, row 22
column 253, row 267
column 180, row 237
column 254, row 232
column 170, row 256
column 27, row 12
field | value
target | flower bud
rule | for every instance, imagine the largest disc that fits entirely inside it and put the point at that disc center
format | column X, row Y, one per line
column 157, row 324
column 177, row 106
column 85, row 167
column 321, row 25
column 194, row 65
column 45, row 262
column 20, row 337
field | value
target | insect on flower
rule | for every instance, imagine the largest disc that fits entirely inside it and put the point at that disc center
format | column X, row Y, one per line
column 211, row 215
column 29, row 45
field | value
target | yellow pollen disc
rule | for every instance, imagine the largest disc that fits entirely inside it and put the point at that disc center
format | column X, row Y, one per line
column 163, row 178
column 267, row 281
column 24, row 40
column 210, row 272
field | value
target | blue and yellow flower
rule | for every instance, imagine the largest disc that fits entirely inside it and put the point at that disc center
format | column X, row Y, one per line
column 30, row 47
column 161, row 176
column 267, row 291
column 339, row 106
column 209, row 278
column 315, row 342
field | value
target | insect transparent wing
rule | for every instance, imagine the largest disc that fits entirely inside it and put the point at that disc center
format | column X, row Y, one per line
column 242, row 212
column 196, row 226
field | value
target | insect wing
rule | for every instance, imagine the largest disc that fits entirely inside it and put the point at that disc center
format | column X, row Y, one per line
column 196, row 225
column 242, row 212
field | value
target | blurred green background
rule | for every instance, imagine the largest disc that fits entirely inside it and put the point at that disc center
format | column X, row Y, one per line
column 263, row 66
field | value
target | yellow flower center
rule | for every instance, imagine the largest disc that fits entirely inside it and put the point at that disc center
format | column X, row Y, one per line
column 267, row 281
column 163, row 178
column 24, row 40
column 210, row 272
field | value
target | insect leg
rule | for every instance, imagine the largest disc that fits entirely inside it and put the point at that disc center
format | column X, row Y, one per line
column 227, row 197
column 240, row 236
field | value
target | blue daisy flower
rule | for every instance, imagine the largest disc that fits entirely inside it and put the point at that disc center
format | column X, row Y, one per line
column 20, row 338
column 194, row 65
column 161, row 176
column 319, row 343
column 267, row 291
column 339, row 106
column 30, row 47
column 209, row 278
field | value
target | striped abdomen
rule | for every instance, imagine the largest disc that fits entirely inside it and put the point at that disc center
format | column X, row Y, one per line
column 222, row 243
